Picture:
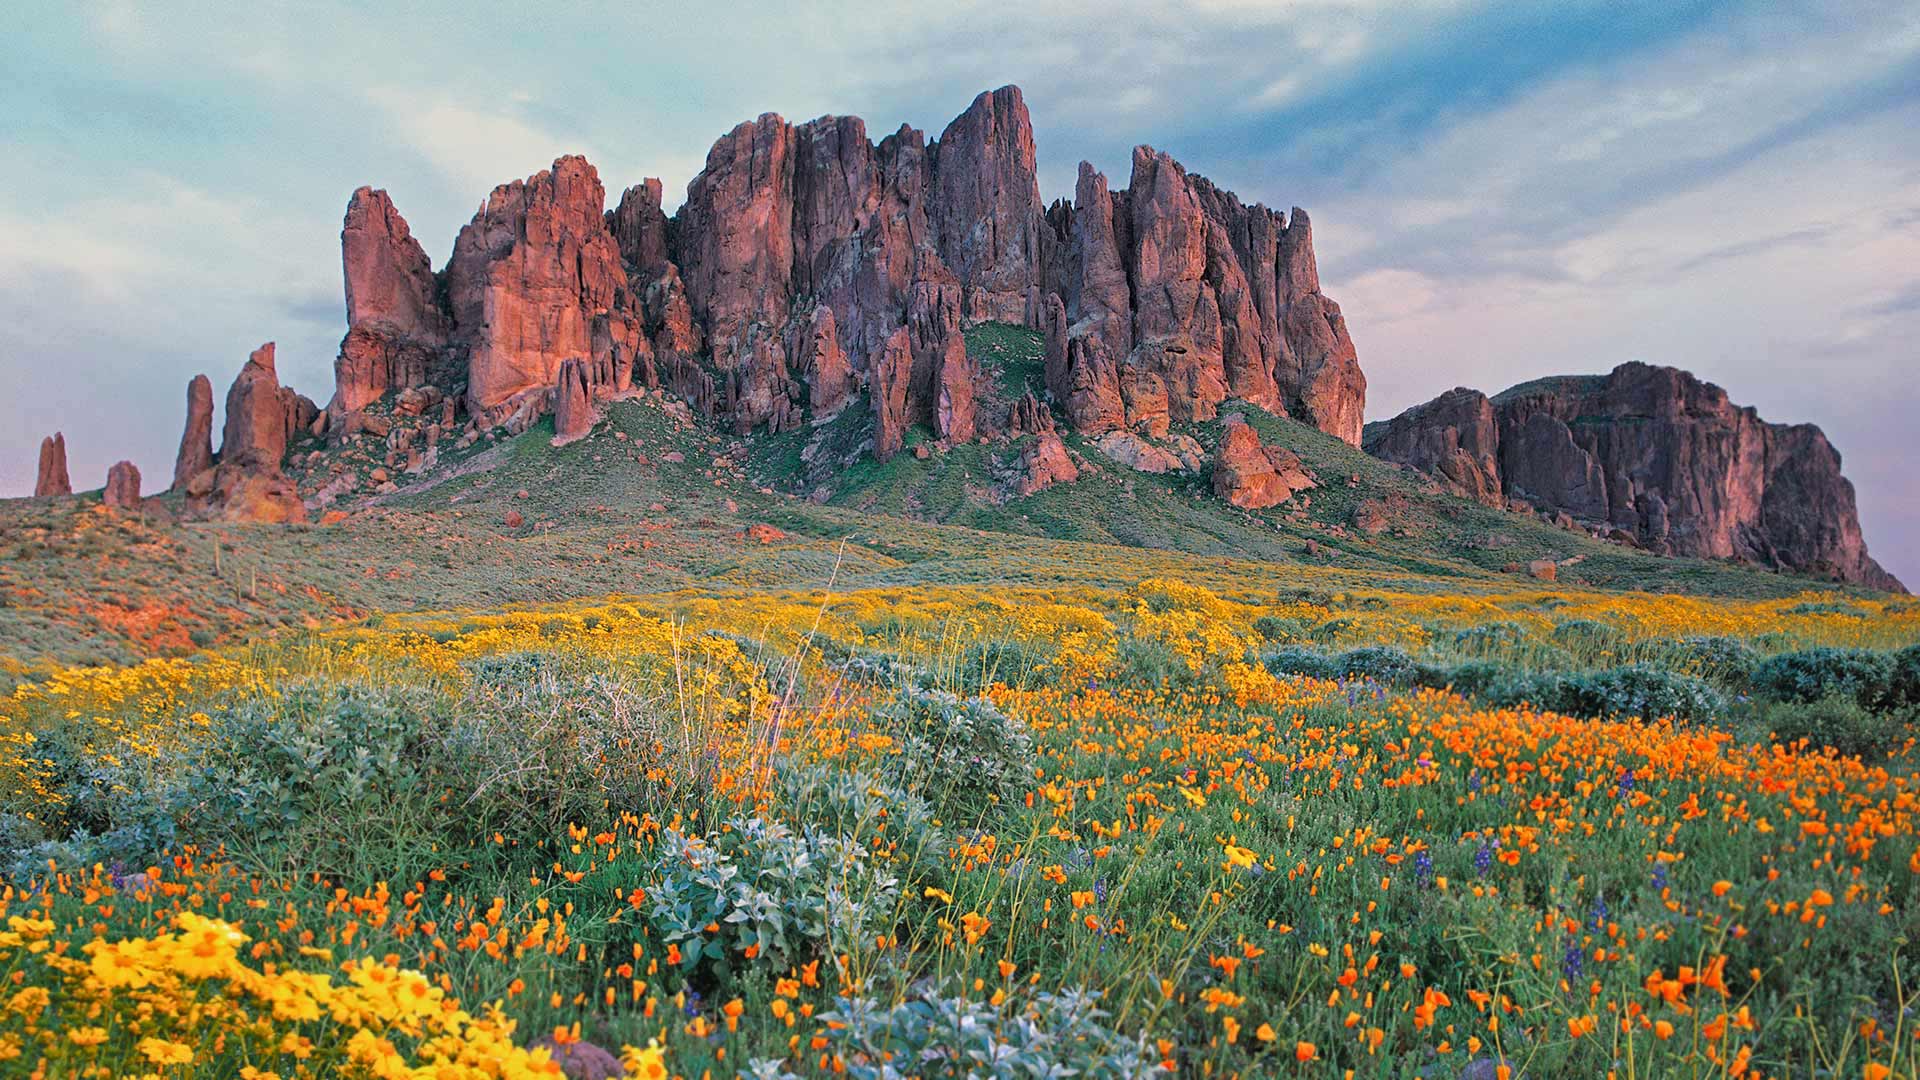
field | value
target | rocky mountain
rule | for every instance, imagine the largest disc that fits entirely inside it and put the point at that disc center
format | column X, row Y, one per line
column 820, row 282
column 1649, row 455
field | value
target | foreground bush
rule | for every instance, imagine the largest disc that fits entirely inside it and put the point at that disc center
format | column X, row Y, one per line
column 1812, row 674
column 1838, row 722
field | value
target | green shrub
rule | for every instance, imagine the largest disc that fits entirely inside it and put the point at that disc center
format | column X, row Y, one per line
column 1291, row 661
column 959, row 1034
column 1381, row 663
column 790, row 894
column 1903, row 682
column 1724, row 660
column 1278, row 628
column 1489, row 638
column 1837, row 721
column 1473, row 678
column 1646, row 692
column 1589, row 634
column 1634, row 690
column 1812, row 674
column 961, row 754
column 987, row 662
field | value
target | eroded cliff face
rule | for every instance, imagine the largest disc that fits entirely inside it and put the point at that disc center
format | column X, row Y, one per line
column 812, row 269
column 1651, row 452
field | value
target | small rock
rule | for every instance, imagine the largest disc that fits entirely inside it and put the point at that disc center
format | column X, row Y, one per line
column 514, row 519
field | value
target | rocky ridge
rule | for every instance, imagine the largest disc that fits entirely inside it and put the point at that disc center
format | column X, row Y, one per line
column 1646, row 455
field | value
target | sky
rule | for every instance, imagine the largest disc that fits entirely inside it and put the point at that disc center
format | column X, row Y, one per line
column 1498, row 192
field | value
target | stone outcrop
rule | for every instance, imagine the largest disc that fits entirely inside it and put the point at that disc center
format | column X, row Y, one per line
column 573, row 412
column 1045, row 463
column 1254, row 476
column 823, row 363
column 1651, row 452
column 1181, row 297
column 1455, row 437
column 396, row 328
column 51, row 478
column 537, row 279
column 987, row 212
column 247, row 483
column 196, row 440
column 123, row 486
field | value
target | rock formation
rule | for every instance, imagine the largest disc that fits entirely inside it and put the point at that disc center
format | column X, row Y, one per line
column 51, row 477
column 573, row 413
column 196, row 441
column 1044, row 464
column 1253, row 476
column 396, row 329
column 537, row 279
column 1456, row 437
column 248, row 483
column 1650, row 451
column 123, row 486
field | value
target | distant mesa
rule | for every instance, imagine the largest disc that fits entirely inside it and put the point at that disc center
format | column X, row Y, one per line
column 1652, row 455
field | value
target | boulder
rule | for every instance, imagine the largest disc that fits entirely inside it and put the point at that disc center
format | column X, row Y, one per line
column 887, row 395
column 51, row 477
column 123, row 486
column 1253, row 476
column 1045, row 463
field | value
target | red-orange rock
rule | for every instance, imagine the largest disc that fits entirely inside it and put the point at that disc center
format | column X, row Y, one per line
column 51, row 479
column 123, row 486
column 887, row 394
column 830, row 379
column 396, row 329
column 573, row 412
column 1044, row 464
column 537, row 279
column 1252, row 476
column 1655, row 453
column 986, row 205
column 262, row 415
column 196, row 439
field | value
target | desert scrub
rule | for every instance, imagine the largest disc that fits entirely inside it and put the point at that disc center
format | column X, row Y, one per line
column 953, row 1033
column 1837, row 721
column 964, row 755
column 1812, row 674
column 757, row 888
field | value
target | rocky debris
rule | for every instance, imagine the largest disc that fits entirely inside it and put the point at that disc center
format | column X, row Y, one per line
column 1253, row 476
column 1144, row 455
column 1045, row 463
column 573, row 411
column 123, row 486
column 1652, row 452
column 51, row 478
column 765, row 534
column 396, row 329
column 1544, row 569
column 196, row 440
column 537, row 279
